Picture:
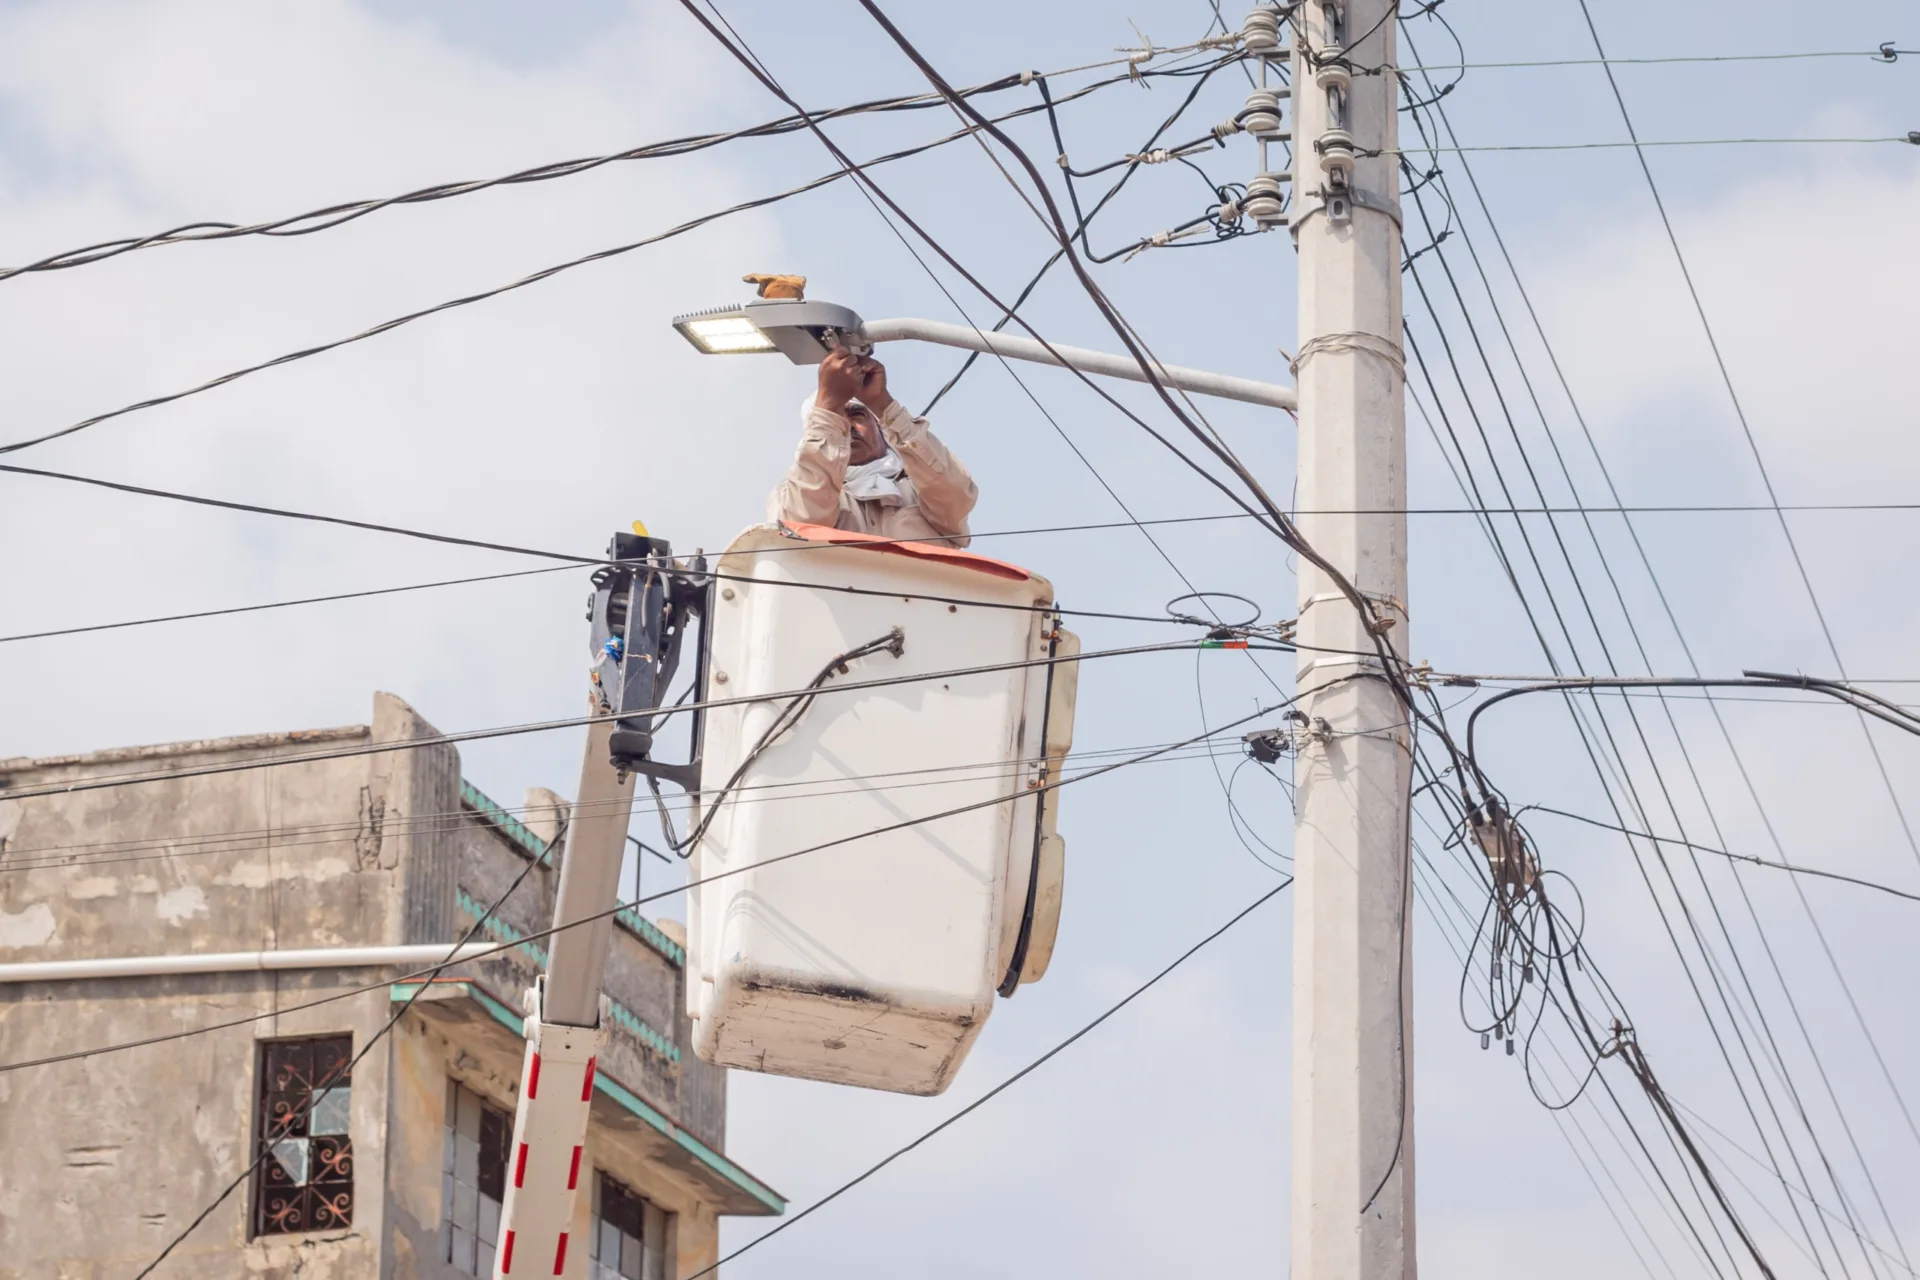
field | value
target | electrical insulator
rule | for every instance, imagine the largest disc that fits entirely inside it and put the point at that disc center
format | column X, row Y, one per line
column 1261, row 116
column 1263, row 202
column 1336, row 156
column 1260, row 33
column 1334, row 76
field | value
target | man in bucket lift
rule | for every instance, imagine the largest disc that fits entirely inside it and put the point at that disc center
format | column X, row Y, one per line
column 867, row 465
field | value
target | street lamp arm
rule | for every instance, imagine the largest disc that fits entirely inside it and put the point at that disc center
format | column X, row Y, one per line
column 966, row 338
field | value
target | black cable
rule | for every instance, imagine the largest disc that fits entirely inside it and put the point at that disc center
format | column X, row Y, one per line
column 1673, row 621
column 1133, row 164
column 1737, row 857
column 1539, row 570
column 346, row 1072
column 1634, row 631
column 1389, row 669
column 893, row 642
column 998, row 1089
column 335, row 215
column 997, row 533
column 1739, row 410
column 570, row 559
column 268, row 840
column 546, row 273
column 540, row 935
column 523, row 573
column 1277, row 520
column 1084, row 220
column 733, row 42
column 1639, row 731
column 1900, row 718
column 574, row 722
column 277, row 604
column 869, row 185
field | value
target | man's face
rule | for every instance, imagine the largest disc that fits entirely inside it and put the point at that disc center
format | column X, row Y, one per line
column 866, row 442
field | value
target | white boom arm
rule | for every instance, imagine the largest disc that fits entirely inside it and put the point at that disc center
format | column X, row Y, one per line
column 563, row 1028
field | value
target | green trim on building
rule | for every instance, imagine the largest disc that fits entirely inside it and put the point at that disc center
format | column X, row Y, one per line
column 497, row 929
column 701, row 1151
column 645, row 1034
column 513, row 829
column 619, row 1093
column 648, row 932
column 505, row 823
column 650, row 1037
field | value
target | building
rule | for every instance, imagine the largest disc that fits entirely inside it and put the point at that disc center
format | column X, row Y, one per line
column 393, row 1169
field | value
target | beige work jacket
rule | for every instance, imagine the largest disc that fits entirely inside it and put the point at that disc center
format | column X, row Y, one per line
column 940, row 492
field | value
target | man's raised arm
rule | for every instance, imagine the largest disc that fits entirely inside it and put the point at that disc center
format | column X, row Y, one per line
column 810, row 492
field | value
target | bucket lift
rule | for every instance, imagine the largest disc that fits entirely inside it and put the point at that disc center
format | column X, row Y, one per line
column 932, row 870
column 871, row 864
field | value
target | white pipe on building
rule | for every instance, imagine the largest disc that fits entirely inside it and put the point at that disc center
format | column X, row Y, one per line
column 1198, row 381
column 411, row 957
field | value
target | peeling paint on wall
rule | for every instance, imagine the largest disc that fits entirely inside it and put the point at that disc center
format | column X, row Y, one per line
column 30, row 928
column 180, row 904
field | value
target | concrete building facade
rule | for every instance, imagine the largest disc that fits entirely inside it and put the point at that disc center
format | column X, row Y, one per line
column 391, row 1169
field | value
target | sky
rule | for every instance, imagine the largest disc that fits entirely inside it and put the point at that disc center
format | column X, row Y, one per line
column 555, row 414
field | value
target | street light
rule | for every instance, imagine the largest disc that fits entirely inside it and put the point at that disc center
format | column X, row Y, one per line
column 805, row 331
column 802, row 331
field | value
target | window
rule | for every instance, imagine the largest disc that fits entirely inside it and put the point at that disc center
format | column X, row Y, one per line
column 473, row 1179
column 629, row 1240
column 305, row 1181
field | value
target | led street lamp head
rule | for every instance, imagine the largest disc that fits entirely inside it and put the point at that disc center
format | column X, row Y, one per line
column 723, row 332
column 804, row 332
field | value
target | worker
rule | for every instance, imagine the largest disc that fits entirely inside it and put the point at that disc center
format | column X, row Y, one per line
column 867, row 465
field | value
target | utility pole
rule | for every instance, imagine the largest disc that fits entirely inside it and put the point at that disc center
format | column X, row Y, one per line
column 1352, row 996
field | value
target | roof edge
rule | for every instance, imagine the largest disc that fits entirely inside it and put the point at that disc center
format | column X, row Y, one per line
column 188, row 747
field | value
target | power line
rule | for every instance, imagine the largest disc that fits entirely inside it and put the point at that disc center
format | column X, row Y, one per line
column 574, row 722
column 536, row 277
column 1546, row 584
column 1886, row 53
column 1909, row 139
column 635, row 904
column 1673, row 621
column 1753, row 445
column 1098, row 526
column 998, row 1089
column 525, row 573
column 1703, row 848
column 513, row 549
column 334, row 215
column 114, row 853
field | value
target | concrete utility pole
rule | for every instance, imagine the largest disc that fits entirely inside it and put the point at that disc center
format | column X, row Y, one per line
column 1352, row 1010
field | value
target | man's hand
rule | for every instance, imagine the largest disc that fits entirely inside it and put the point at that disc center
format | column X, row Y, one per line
column 840, row 380
column 873, row 387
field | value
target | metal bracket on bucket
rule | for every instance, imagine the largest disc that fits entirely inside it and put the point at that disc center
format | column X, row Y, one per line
column 644, row 603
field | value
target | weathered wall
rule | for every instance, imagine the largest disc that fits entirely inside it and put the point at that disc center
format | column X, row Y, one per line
column 108, row 1157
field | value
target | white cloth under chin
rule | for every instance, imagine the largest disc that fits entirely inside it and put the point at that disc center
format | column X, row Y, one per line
column 878, row 481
